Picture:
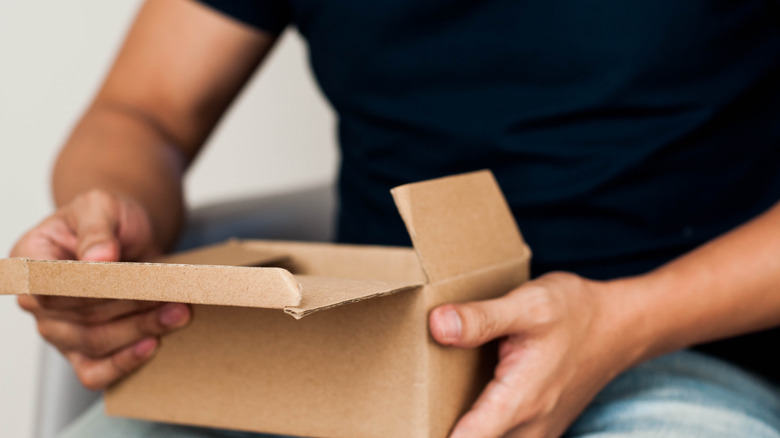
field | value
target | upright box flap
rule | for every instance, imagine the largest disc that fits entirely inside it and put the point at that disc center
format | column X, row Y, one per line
column 274, row 288
column 459, row 224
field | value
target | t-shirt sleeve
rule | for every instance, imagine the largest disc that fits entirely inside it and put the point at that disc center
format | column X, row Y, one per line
column 269, row 15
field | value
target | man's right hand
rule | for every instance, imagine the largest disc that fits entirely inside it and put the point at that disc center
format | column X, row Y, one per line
column 103, row 339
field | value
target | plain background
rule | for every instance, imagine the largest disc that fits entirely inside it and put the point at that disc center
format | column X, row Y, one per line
column 53, row 54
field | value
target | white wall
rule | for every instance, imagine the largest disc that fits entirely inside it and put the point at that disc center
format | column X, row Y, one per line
column 53, row 54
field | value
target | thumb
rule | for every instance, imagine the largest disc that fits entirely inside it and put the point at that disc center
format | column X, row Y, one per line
column 469, row 325
column 94, row 220
column 101, row 251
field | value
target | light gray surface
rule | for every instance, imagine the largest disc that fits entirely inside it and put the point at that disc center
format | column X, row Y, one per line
column 307, row 215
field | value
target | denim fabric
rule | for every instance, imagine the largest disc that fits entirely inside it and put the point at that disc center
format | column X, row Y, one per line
column 685, row 394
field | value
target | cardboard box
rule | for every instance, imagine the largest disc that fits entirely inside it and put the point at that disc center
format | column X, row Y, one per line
column 354, row 360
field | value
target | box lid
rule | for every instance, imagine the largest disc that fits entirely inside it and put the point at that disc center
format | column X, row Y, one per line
column 205, row 276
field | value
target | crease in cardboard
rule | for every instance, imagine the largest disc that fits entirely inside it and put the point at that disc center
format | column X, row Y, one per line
column 403, row 203
column 327, row 293
column 515, row 261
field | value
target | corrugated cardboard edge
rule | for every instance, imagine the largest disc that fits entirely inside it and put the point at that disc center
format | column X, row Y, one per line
column 14, row 277
column 322, row 293
column 274, row 288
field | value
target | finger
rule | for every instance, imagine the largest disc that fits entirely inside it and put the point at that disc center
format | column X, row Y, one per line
column 41, row 303
column 97, row 374
column 52, row 239
column 469, row 325
column 94, row 311
column 492, row 415
column 96, row 341
column 94, row 217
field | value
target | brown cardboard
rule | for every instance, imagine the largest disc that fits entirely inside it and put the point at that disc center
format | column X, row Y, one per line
column 362, row 365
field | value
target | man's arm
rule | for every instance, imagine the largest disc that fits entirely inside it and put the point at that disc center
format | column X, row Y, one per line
column 180, row 67
column 566, row 337
column 118, row 180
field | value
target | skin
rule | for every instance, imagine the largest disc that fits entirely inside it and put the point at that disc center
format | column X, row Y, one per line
column 117, row 185
column 574, row 335
column 117, row 182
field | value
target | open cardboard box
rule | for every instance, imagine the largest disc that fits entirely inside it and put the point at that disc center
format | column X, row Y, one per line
column 354, row 360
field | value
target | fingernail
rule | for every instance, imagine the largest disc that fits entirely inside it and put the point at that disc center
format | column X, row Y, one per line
column 145, row 347
column 97, row 252
column 173, row 315
column 451, row 325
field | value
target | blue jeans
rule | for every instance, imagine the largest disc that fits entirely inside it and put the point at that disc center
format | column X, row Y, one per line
column 684, row 394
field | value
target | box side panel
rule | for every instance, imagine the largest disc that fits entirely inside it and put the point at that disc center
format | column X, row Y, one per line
column 361, row 262
column 458, row 376
column 355, row 371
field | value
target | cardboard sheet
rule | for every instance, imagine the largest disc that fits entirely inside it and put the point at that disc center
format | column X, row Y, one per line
column 230, row 253
column 272, row 288
column 321, row 293
column 460, row 224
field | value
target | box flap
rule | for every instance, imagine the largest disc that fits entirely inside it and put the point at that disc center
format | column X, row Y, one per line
column 321, row 293
column 459, row 224
column 272, row 288
column 230, row 253
column 195, row 282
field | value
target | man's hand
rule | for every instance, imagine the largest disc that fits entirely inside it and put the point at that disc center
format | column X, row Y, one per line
column 104, row 340
column 560, row 344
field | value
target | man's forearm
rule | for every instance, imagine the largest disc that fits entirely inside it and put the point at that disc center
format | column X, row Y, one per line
column 119, row 150
column 727, row 287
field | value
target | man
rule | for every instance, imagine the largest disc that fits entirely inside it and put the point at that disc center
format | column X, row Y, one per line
column 637, row 144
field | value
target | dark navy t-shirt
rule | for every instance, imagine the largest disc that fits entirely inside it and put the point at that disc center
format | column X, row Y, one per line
column 623, row 133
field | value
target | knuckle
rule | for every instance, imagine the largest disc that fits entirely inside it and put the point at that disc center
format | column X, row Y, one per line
column 123, row 364
column 542, row 306
column 479, row 321
column 90, row 314
column 95, row 197
column 94, row 342
column 544, row 309
column 148, row 324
